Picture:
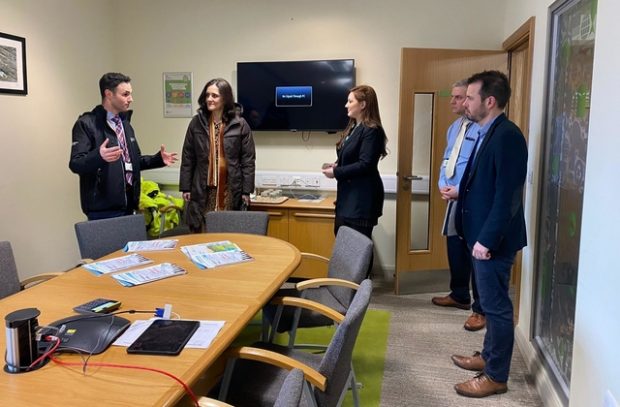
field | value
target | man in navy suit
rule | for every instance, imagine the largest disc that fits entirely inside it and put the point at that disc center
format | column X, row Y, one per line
column 490, row 219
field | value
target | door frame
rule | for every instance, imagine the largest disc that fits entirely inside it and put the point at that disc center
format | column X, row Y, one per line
column 521, row 38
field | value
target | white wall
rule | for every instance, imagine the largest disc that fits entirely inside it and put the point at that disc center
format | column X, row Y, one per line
column 68, row 45
column 208, row 38
column 597, row 324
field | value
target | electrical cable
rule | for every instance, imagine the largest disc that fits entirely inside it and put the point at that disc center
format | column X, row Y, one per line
column 48, row 352
column 187, row 389
column 110, row 325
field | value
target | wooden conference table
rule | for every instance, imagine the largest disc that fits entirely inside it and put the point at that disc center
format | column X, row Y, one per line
column 232, row 293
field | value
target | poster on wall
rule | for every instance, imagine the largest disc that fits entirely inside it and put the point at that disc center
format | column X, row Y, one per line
column 13, row 64
column 178, row 94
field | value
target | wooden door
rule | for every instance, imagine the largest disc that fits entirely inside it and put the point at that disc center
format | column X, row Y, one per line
column 427, row 76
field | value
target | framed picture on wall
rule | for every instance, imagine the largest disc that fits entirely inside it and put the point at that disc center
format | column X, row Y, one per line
column 13, row 64
column 178, row 94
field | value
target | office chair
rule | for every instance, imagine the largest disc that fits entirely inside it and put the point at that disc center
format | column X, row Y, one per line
column 347, row 267
column 289, row 395
column 253, row 222
column 96, row 238
column 9, row 279
column 247, row 381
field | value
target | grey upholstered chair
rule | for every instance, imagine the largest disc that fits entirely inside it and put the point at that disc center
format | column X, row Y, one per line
column 252, row 378
column 97, row 238
column 289, row 395
column 253, row 222
column 347, row 267
column 9, row 279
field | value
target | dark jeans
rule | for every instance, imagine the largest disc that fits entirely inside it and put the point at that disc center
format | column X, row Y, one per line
column 365, row 230
column 461, row 272
column 493, row 280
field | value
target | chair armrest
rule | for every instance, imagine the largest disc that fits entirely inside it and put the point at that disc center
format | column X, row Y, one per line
column 318, row 282
column 34, row 280
column 209, row 402
column 312, row 256
column 273, row 358
column 309, row 305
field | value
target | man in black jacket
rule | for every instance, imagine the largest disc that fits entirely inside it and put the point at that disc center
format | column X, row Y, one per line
column 490, row 218
column 106, row 156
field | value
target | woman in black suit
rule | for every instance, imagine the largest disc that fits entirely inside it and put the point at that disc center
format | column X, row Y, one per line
column 359, row 200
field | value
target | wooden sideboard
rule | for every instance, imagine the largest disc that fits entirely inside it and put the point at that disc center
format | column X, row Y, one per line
column 309, row 226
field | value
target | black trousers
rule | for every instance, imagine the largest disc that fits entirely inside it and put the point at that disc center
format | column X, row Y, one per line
column 461, row 273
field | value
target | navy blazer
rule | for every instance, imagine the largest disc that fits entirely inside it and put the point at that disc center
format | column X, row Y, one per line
column 490, row 203
column 360, row 189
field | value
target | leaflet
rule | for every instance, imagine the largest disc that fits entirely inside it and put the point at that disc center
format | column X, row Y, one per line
column 148, row 274
column 150, row 245
column 213, row 254
column 116, row 264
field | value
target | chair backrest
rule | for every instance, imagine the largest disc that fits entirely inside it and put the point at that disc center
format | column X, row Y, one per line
column 336, row 363
column 97, row 238
column 291, row 390
column 350, row 261
column 9, row 280
column 253, row 222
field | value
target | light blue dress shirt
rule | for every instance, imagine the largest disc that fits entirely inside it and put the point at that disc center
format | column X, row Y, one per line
column 466, row 149
column 482, row 132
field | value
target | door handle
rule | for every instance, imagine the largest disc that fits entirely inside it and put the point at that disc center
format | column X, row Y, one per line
column 412, row 178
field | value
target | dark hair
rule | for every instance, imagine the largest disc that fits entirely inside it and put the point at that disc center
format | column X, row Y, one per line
column 228, row 100
column 493, row 83
column 370, row 113
column 110, row 81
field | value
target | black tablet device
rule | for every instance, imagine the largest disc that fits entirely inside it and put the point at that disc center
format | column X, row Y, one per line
column 164, row 337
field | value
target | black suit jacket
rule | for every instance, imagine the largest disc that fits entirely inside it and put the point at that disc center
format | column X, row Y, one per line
column 360, row 189
column 490, row 203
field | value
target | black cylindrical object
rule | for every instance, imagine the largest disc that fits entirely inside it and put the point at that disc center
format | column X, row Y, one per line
column 21, row 343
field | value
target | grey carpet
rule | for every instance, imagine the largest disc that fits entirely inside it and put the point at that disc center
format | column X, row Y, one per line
column 418, row 370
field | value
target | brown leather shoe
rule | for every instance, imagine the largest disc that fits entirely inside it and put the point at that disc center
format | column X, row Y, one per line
column 480, row 386
column 474, row 362
column 475, row 322
column 448, row 301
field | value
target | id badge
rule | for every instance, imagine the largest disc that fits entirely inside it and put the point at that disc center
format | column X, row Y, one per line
column 128, row 167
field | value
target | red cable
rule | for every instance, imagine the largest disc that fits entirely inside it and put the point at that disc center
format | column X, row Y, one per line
column 48, row 353
column 188, row 390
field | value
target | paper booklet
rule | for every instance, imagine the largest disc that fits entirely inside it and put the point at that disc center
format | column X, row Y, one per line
column 148, row 274
column 116, row 264
column 150, row 245
column 213, row 254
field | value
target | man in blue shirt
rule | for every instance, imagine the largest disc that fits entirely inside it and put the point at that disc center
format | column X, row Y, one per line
column 461, row 137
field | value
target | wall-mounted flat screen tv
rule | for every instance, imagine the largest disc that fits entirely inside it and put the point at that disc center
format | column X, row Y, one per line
column 295, row 95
